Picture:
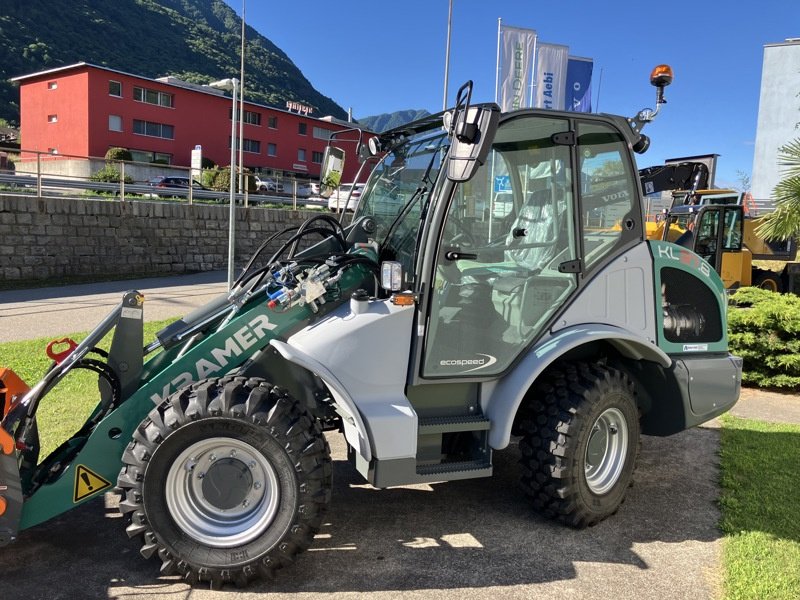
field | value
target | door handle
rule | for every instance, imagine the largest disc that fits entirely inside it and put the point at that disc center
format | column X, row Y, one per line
column 455, row 255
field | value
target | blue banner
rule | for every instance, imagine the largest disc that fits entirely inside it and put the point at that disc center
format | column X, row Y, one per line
column 578, row 91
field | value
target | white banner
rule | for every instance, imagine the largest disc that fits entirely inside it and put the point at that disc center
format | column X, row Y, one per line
column 550, row 76
column 516, row 60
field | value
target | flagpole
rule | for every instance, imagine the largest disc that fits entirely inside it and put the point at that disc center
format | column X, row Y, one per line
column 533, row 69
column 599, row 85
column 497, row 64
column 447, row 55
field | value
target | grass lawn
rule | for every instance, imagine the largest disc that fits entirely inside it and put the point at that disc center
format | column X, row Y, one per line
column 760, row 509
column 62, row 411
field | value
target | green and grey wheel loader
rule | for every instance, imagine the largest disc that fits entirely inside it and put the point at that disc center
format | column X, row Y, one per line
column 495, row 281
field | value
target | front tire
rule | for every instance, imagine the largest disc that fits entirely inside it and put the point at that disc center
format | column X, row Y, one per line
column 580, row 440
column 226, row 481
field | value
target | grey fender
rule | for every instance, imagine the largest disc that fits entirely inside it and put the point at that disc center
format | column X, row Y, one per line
column 501, row 404
column 360, row 351
column 354, row 429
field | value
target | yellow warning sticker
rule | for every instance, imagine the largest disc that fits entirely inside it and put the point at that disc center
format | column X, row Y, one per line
column 87, row 482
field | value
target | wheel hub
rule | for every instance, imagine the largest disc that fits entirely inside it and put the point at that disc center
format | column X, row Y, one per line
column 222, row 492
column 606, row 451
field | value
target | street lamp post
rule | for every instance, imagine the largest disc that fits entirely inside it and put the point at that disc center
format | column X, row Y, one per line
column 233, row 85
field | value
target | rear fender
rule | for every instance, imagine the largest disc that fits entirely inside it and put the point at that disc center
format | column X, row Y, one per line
column 503, row 401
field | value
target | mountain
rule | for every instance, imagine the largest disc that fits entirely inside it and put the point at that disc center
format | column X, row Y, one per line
column 379, row 123
column 194, row 40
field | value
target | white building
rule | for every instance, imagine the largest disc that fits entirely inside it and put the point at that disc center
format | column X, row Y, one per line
column 778, row 113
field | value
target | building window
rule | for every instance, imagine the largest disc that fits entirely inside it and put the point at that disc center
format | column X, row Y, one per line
column 152, row 97
column 302, row 128
column 253, row 146
column 52, row 85
column 145, row 156
column 316, row 157
column 321, row 133
column 273, row 122
column 250, row 117
column 301, row 154
column 52, row 118
column 272, row 150
column 115, row 88
column 114, row 123
column 154, row 129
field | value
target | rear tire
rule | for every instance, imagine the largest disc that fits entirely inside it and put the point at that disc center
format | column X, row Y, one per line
column 580, row 443
column 226, row 481
column 768, row 280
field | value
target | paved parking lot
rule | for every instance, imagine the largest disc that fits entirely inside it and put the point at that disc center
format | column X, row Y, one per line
column 468, row 539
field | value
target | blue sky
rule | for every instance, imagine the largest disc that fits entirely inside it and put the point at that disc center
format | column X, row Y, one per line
column 377, row 57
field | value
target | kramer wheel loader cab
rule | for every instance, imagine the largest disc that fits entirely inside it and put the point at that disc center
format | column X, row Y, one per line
column 429, row 331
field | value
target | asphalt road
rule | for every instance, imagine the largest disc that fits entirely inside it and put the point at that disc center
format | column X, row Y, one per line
column 466, row 539
column 54, row 311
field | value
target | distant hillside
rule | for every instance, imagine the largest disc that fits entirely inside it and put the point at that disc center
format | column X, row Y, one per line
column 386, row 121
column 195, row 40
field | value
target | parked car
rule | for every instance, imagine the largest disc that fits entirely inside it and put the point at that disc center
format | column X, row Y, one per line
column 163, row 183
column 269, row 184
column 336, row 202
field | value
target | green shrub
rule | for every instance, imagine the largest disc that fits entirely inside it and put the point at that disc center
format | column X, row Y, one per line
column 109, row 174
column 119, row 154
column 764, row 329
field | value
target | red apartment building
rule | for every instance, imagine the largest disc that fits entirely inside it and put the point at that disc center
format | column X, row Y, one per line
column 85, row 109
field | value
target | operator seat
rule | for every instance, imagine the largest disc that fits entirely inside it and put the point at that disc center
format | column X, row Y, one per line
column 531, row 243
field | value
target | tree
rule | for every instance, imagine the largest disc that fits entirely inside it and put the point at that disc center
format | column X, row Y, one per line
column 116, row 154
column 784, row 223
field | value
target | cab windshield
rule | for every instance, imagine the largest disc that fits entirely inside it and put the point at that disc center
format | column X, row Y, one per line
column 399, row 188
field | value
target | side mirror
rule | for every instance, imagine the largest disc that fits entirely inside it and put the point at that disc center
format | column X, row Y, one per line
column 332, row 169
column 472, row 135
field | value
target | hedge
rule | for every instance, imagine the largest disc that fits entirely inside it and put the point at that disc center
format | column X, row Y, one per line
column 764, row 330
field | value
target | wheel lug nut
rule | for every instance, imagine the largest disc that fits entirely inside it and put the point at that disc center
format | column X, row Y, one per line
column 257, row 485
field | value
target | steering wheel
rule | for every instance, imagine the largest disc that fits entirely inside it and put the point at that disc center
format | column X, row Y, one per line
column 463, row 236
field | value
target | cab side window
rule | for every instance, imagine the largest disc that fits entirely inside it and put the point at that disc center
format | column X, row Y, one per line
column 608, row 192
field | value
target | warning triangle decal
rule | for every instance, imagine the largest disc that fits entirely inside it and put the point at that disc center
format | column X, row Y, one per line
column 87, row 482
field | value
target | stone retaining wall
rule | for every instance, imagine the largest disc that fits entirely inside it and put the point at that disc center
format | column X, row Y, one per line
column 56, row 238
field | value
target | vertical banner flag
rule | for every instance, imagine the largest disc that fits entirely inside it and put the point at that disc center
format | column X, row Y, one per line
column 579, row 84
column 550, row 76
column 516, row 58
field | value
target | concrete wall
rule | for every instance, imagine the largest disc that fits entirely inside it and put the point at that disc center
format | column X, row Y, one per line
column 57, row 238
column 778, row 114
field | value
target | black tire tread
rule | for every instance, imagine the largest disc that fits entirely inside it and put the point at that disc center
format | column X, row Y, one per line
column 549, row 425
column 254, row 401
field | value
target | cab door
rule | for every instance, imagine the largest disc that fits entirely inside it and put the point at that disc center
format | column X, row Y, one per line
column 500, row 274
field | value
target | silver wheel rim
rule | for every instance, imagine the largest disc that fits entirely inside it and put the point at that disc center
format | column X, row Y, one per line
column 222, row 492
column 606, row 451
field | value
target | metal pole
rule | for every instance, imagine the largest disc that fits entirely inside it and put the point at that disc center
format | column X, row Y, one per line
column 497, row 63
column 599, row 85
column 232, row 215
column 447, row 55
column 241, row 112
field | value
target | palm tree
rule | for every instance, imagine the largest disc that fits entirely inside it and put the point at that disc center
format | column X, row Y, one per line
column 784, row 223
